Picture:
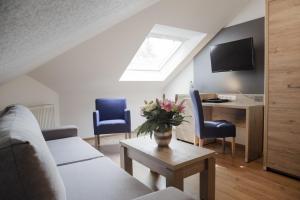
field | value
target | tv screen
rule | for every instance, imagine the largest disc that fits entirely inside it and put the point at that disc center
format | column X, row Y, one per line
column 232, row 56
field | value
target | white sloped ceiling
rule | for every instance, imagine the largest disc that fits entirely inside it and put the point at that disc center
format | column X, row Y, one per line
column 32, row 32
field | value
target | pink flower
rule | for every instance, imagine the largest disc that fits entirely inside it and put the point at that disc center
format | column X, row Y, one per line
column 181, row 107
column 167, row 105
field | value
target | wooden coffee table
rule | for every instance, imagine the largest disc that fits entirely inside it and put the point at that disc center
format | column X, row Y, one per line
column 178, row 161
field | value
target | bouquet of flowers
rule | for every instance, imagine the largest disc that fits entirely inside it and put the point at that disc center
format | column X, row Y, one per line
column 161, row 115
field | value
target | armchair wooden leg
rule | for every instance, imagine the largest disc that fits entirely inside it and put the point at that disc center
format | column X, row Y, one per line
column 125, row 135
column 97, row 141
column 196, row 140
column 201, row 142
column 223, row 144
column 233, row 146
column 129, row 134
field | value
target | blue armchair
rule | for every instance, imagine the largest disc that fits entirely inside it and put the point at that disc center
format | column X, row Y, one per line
column 210, row 129
column 111, row 116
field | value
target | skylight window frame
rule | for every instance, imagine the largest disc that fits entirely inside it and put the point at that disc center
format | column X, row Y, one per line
column 191, row 41
column 161, row 36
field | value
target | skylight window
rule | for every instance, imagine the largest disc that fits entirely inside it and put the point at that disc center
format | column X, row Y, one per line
column 154, row 53
column 163, row 50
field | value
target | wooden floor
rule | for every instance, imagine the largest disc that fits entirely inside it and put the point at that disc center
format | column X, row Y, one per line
column 235, row 179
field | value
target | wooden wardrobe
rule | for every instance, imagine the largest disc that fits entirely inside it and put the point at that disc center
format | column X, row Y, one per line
column 282, row 87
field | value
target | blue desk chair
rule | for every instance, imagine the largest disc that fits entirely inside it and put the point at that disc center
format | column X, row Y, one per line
column 211, row 129
column 111, row 116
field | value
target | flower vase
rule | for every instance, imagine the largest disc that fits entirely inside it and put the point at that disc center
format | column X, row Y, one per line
column 163, row 139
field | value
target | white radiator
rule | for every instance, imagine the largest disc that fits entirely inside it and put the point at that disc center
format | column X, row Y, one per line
column 45, row 115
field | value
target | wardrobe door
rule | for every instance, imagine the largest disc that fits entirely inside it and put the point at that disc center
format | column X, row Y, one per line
column 283, row 86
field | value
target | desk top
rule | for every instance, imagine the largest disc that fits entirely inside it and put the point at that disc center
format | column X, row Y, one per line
column 234, row 104
column 177, row 155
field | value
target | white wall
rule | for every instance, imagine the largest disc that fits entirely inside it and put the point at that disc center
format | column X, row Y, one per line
column 253, row 10
column 29, row 92
column 180, row 84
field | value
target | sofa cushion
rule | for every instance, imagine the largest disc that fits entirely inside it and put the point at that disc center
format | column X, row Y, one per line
column 27, row 169
column 98, row 179
column 167, row 194
column 72, row 149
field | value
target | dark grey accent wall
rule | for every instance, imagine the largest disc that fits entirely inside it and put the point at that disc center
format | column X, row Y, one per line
column 248, row 82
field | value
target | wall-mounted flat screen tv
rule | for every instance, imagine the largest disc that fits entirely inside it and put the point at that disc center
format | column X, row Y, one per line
column 232, row 56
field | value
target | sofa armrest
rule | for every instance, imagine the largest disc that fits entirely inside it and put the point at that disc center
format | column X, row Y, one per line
column 59, row 133
column 170, row 193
